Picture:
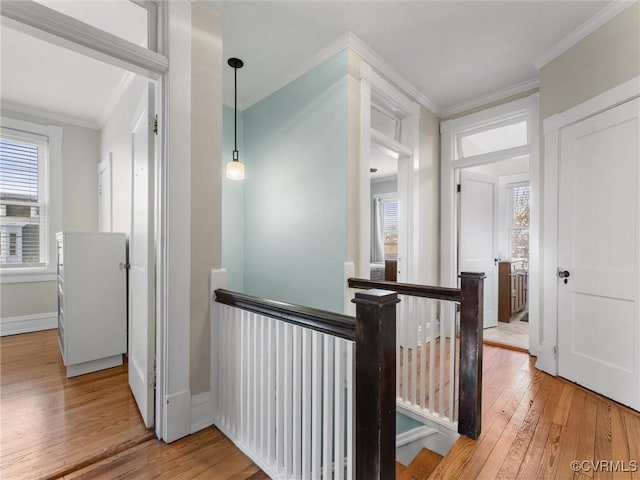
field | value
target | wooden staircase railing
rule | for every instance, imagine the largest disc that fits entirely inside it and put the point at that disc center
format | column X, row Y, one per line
column 326, row 427
column 470, row 297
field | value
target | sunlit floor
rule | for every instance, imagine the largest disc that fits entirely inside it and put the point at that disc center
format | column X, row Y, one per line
column 513, row 334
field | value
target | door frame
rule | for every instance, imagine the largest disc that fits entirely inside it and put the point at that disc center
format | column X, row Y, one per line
column 372, row 84
column 525, row 108
column 173, row 395
column 548, row 357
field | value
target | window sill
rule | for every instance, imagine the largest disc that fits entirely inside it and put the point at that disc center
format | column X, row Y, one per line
column 27, row 275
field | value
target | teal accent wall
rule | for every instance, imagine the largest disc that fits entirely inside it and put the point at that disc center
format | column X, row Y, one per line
column 295, row 190
column 232, row 206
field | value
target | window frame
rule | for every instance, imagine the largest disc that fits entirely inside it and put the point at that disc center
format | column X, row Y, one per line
column 388, row 198
column 50, row 182
column 511, row 189
column 488, row 126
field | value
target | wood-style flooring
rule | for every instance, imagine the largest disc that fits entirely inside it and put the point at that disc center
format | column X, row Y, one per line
column 88, row 426
column 534, row 425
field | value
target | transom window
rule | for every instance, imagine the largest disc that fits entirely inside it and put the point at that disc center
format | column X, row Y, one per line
column 500, row 137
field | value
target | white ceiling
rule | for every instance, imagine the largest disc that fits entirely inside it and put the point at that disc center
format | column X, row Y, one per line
column 451, row 51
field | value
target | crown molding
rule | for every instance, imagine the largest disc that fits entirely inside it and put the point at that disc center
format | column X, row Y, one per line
column 591, row 25
column 378, row 62
column 490, row 97
column 312, row 62
column 345, row 41
column 48, row 115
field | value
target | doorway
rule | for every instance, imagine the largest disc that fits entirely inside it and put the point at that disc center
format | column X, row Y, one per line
column 481, row 140
column 493, row 226
column 92, row 100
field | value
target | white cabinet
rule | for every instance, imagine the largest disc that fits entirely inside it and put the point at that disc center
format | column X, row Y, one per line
column 92, row 296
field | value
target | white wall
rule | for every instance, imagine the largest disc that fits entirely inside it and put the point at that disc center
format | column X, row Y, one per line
column 115, row 138
column 80, row 153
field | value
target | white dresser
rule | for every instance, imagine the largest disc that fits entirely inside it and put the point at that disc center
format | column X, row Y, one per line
column 92, row 299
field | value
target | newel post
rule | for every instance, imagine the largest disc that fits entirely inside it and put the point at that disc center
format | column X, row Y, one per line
column 471, row 324
column 375, row 384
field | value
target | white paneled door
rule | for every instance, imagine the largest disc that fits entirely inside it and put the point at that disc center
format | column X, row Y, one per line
column 141, row 258
column 478, row 235
column 598, row 254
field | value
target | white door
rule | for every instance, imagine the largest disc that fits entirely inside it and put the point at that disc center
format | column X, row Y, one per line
column 141, row 258
column 598, row 247
column 478, row 235
column 104, row 195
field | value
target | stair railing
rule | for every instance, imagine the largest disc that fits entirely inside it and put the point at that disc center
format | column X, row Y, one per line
column 305, row 393
column 439, row 362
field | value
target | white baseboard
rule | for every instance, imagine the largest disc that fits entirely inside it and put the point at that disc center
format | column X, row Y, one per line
column 28, row 323
column 201, row 411
column 178, row 411
column 547, row 361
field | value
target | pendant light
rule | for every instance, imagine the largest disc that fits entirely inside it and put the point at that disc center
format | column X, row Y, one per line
column 235, row 168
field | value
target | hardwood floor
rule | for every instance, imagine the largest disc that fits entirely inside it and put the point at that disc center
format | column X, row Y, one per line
column 534, row 425
column 88, row 427
column 54, row 427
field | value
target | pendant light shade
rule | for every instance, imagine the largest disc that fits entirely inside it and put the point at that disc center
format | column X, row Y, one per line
column 235, row 168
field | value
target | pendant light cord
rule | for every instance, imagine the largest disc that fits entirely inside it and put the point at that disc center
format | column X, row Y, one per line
column 235, row 112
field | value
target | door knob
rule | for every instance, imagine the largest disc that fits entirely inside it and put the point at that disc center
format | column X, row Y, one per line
column 564, row 274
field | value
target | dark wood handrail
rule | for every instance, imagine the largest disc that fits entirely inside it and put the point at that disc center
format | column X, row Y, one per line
column 440, row 293
column 322, row 321
column 470, row 296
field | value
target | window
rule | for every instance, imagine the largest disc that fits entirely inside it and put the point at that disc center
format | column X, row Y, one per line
column 29, row 199
column 22, row 198
column 493, row 140
column 385, row 228
column 519, row 234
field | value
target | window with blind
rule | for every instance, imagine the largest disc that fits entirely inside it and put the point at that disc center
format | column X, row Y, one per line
column 519, row 234
column 23, row 227
column 390, row 228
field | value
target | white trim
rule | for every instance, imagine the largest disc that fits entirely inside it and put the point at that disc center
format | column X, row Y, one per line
column 28, row 323
column 488, row 116
column 201, row 411
column 349, row 293
column 45, row 23
column 352, row 41
column 163, row 362
column 414, row 434
column 584, row 30
column 309, row 64
column 177, row 416
column 620, row 94
column 218, row 278
column 47, row 115
column 450, row 129
column 173, row 233
column 490, row 97
column 24, row 275
column 378, row 62
column 548, row 359
column 390, row 94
